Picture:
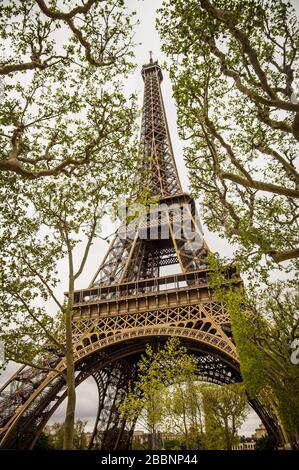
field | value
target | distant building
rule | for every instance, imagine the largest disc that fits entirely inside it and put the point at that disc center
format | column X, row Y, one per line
column 245, row 446
column 249, row 443
column 260, row 432
column 140, row 436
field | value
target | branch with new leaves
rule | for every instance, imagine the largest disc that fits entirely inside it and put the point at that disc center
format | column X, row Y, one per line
column 61, row 99
column 234, row 67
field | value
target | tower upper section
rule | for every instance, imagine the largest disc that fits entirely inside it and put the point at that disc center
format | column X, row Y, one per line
column 155, row 143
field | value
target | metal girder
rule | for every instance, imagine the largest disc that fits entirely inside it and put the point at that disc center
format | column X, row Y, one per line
column 155, row 143
column 179, row 241
column 110, row 430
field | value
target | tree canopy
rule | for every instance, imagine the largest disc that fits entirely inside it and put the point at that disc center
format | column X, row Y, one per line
column 61, row 103
column 172, row 396
column 265, row 328
column 225, row 410
column 42, row 224
column 234, row 65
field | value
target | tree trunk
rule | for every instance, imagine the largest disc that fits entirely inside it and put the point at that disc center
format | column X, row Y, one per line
column 71, row 392
column 228, row 444
column 152, row 442
column 185, row 428
column 68, row 441
column 234, row 431
column 283, row 432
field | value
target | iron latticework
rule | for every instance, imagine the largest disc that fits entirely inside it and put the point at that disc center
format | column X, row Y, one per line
column 155, row 143
column 135, row 299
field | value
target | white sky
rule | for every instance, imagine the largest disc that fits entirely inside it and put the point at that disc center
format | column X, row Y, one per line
column 148, row 38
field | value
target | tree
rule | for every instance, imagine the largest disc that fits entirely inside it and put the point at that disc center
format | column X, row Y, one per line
column 60, row 97
column 265, row 327
column 198, row 414
column 61, row 110
column 42, row 223
column 184, row 407
column 54, row 435
column 138, row 446
column 213, row 437
column 80, row 441
column 43, row 442
column 265, row 443
column 173, row 444
column 234, row 67
column 144, row 397
column 159, row 372
column 225, row 410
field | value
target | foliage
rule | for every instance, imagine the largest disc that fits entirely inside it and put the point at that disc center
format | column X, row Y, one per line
column 61, row 103
column 184, row 409
column 265, row 443
column 265, row 325
column 156, row 370
column 173, row 444
column 264, row 329
column 138, row 446
column 168, row 390
column 43, row 443
column 44, row 222
column 80, row 441
column 54, row 434
column 225, row 411
column 234, row 65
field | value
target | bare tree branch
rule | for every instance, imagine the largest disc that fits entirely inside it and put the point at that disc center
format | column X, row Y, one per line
column 47, row 333
column 260, row 185
column 59, row 15
column 280, row 256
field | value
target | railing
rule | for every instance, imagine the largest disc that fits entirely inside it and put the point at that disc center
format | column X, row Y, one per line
column 144, row 286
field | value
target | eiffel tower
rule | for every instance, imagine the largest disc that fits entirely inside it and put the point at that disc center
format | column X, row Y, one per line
column 152, row 284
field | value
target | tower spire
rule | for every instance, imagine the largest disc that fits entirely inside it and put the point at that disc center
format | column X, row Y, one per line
column 155, row 142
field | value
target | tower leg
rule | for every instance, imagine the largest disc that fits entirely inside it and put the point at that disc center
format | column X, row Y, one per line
column 110, row 431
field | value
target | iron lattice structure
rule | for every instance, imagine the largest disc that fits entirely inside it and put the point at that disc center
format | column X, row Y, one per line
column 131, row 302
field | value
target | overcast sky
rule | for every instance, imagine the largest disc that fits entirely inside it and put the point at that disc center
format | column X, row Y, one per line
column 148, row 38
